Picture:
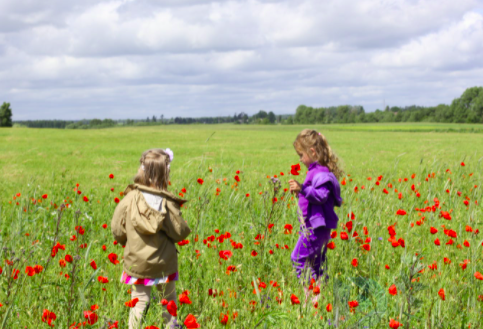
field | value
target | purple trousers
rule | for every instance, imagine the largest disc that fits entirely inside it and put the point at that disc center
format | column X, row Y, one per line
column 309, row 253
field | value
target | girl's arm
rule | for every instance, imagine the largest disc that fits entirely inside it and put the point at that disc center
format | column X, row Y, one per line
column 174, row 225
column 318, row 192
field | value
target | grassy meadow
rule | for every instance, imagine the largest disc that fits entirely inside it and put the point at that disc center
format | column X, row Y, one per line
column 416, row 168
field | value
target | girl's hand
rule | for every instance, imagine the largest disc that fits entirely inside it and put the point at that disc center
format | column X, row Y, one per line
column 295, row 186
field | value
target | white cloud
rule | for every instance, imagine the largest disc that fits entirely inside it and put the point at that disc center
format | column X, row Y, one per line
column 201, row 58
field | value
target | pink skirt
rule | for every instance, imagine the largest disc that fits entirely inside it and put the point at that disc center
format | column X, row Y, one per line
column 127, row 279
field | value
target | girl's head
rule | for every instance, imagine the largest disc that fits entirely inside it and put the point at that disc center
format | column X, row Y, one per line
column 312, row 147
column 154, row 169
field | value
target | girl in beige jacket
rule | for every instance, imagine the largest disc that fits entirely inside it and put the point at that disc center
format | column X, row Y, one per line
column 148, row 222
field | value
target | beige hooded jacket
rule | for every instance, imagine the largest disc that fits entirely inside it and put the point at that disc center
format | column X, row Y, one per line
column 149, row 235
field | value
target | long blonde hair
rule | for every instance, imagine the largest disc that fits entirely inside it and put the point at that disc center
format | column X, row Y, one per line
column 154, row 170
column 309, row 138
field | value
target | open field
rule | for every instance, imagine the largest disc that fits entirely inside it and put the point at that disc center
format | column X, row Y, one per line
column 44, row 155
column 51, row 162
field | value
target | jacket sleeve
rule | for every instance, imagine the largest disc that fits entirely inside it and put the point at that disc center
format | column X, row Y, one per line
column 318, row 192
column 118, row 222
column 173, row 224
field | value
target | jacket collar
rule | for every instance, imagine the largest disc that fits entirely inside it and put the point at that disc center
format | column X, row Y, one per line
column 154, row 191
column 319, row 166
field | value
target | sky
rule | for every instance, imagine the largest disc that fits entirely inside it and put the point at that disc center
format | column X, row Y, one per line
column 71, row 60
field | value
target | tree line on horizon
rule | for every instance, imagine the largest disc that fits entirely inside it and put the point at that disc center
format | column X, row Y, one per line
column 466, row 109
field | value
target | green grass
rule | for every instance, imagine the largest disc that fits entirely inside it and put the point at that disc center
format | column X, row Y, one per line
column 34, row 162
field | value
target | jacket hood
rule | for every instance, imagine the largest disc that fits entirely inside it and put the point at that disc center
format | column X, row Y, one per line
column 145, row 219
column 323, row 176
column 164, row 194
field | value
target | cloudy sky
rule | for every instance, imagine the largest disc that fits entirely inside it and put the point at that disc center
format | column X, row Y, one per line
column 135, row 58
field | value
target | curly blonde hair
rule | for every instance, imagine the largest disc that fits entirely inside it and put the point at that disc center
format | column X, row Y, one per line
column 308, row 139
column 154, row 170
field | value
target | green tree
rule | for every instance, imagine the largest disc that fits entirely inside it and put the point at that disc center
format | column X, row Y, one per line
column 271, row 117
column 5, row 115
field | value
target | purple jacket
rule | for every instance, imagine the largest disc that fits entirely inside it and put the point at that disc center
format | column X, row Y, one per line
column 319, row 194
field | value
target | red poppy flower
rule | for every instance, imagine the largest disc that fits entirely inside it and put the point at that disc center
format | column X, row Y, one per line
column 353, row 304
column 391, row 230
column 184, row 299
column 230, row 268
column 344, row 236
column 86, row 199
column 355, row 262
column 254, row 253
column 294, row 299
column 348, row 225
column 394, row 324
column 48, row 316
column 111, row 176
column 333, row 235
column 91, row 317
column 316, row 290
column 102, row 279
column 44, row 196
column 225, row 254
column 329, row 307
column 295, row 169
column 433, row 230
column 288, row 229
column 445, row 215
column 113, row 258
column 237, row 178
column 172, row 308
column 437, row 242
column 393, row 290
column 132, row 302
column 190, row 322
column 200, row 181
column 401, row 212
column 93, row 264
column 366, row 247
column 331, row 245
column 29, row 270
column 478, row 276
column 441, row 294
column 116, row 200
column 224, row 319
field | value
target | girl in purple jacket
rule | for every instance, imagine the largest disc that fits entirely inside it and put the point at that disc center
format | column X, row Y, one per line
column 317, row 196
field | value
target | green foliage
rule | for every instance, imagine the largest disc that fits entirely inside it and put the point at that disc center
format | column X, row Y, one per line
column 466, row 109
column 5, row 115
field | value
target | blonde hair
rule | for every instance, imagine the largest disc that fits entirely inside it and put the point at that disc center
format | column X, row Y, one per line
column 153, row 170
column 308, row 139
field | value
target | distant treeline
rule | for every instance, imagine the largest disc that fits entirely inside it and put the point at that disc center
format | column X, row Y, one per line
column 466, row 109
column 261, row 117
